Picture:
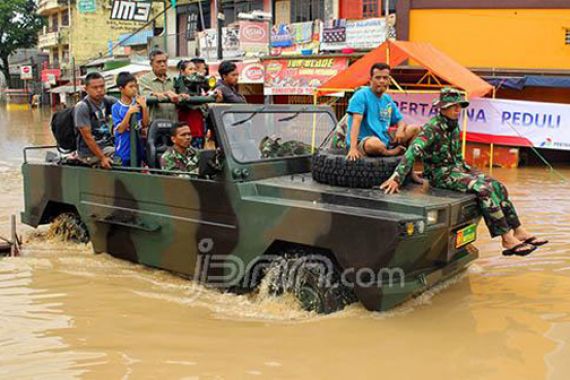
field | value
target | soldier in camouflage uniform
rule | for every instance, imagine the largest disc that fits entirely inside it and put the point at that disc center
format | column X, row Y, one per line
column 339, row 137
column 439, row 147
column 272, row 148
column 181, row 156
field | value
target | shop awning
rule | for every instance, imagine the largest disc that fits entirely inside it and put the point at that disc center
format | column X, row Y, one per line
column 133, row 68
column 140, row 38
column 425, row 54
column 67, row 89
column 518, row 83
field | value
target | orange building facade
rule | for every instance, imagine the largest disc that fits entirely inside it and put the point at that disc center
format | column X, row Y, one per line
column 506, row 34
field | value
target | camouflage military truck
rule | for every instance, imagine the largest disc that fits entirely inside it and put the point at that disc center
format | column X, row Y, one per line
column 254, row 213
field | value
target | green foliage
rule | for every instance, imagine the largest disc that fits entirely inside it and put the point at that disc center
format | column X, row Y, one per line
column 19, row 27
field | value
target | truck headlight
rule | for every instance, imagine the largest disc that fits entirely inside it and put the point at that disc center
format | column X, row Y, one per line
column 420, row 227
column 432, row 217
column 410, row 228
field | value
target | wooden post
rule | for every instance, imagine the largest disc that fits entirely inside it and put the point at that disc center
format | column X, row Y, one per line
column 491, row 154
column 314, row 129
column 464, row 134
column 14, row 251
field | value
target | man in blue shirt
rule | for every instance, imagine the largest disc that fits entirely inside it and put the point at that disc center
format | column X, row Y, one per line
column 371, row 113
column 129, row 105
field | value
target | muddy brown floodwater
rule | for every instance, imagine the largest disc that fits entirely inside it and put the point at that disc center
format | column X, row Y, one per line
column 67, row 313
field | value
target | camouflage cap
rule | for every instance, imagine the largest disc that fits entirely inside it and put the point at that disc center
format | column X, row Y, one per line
column 450, row 96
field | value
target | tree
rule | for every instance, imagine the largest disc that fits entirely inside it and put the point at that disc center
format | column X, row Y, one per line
column 19, row 27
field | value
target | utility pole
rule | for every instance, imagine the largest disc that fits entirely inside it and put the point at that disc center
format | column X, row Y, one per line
column 74, row 78
column 387, row 13
column 165, row 26
column 219, row 25
column 71, row 55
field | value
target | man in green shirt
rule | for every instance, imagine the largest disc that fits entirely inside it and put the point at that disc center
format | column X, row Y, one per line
column 161, row 85
column 439, row 147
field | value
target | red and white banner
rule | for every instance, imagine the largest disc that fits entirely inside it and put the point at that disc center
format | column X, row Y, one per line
column 300, row 76
column 253, row 37
column 251, row 72
column 48, row 74
column 500, row 121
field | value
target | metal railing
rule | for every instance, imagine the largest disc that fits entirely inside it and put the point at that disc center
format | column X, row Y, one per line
column 49, row 5
column 54, row 37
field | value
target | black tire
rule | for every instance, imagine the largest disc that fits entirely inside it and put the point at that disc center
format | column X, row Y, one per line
column 316, row 287
column 332, row 168
column 69, row 227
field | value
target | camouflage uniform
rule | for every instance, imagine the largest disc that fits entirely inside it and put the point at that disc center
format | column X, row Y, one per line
column 173, row 160
column 439, row 147
column 339, row 137
column 272, row 148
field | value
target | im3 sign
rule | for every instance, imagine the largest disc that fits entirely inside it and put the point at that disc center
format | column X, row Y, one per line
column 129, row 10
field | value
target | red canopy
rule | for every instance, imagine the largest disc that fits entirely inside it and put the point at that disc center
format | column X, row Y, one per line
column 425, row 54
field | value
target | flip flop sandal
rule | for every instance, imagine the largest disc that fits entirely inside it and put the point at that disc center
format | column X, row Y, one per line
column 531, row 240
column 515, row 251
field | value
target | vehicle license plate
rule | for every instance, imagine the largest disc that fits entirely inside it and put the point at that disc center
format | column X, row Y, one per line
column 466, row 235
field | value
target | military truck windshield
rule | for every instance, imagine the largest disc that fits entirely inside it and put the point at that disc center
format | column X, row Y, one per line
column 275, row 134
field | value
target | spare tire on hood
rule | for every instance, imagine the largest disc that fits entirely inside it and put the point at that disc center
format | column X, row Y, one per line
column 331, row 167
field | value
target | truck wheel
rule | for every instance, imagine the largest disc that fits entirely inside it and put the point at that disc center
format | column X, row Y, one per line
column 69, row 227
column 332, row 168
column 312, row 284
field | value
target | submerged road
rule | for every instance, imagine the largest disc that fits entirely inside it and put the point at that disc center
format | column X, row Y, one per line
column 67, row 313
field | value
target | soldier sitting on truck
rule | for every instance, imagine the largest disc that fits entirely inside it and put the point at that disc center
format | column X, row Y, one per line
column 439, row 146
column 272, row 147
column 181, row 156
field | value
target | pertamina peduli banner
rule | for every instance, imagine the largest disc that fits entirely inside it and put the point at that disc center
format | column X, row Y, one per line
column 501, row 121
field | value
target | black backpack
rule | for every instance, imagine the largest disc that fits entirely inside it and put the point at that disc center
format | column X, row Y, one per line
column 63, row 127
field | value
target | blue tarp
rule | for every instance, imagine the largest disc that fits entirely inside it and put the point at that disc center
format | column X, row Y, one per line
column 518, row 83
column 140, row 38
column 543, row 81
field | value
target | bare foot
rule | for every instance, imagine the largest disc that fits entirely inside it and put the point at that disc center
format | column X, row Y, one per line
column 509, row 240
column 395, row 151
column 524, row 236
column 521, row 233
column 416, row 178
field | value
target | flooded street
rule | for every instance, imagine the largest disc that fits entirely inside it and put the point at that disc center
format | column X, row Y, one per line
column 68, row 313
